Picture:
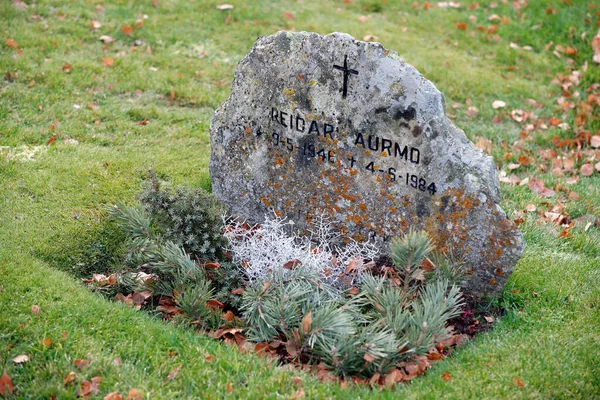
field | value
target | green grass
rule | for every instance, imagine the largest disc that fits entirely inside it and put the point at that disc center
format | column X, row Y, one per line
column 53, row 224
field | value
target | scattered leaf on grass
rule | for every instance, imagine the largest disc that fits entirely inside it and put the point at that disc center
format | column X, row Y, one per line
column 228, row 316
column 135, row 394
column 173, row 374
column 215, row 304
column 595, row 141
column 6, row 385
column 127, row 30
column 597, row 166
column 596, row 48
column 46, row 342
column 446, row 376
column 113, row 396
column 369, row 357
column 12, row 43
column 288, row 15
column 67, row 68
column 108, row 61
column 35, row 310
column 209, row 358
column 531, row 208
column 70, row 378
column 518, row 382
column 224, row 7
column 143, row 122
column 238, row 291
column 498, row 104
column 370, row 38
column 81, row 364
column 106, row 39
column 537, row 186
column 20, row 359
column 85, row 389
column 587, row 169
column 95, row 25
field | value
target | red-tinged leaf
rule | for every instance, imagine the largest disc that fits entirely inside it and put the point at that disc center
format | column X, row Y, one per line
column 215, row 304
column 135, row 394
column 229, row 387
column 564, row 234
column 96, row 381
column 587, row 169
column 143, row 122
column 297, row 381
column 81, row 364
column 369, row 358
column 554, row 121
column 108, row 61
column 20, row 359
column 12, row 43
column 307, row 323
column 537, row 186
column 173, row 374
column 127, row 30
column 113, row 396
column 574, row 196
column 570, row 51
column 292, row 264
column 35, row 310
column 228, row 20
column 261, row 348
column 265, row 287
column 63, row 335
column 462, row 26
column 212, row 265
column 374, row 379
column 67, row 68
column 209, row 358
column 46, row 342
column 518, row 382
column 446, row 377
column 288, row 15
column 353, row 291
column 596, row 48
column 228, row 316
column 6, row 385
column 70, row 378
column 238, row 291
column 524, row 160
column 120, row 297
column 85, row 389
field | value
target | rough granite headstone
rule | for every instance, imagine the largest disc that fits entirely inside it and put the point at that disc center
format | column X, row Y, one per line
column 329, row 124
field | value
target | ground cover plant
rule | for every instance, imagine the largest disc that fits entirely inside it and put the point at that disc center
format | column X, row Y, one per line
column 94, row 94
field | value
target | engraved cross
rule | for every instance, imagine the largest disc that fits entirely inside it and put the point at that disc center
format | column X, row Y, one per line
column 347, row 72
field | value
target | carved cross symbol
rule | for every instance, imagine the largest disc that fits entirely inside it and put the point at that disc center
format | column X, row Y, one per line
column 347, row 72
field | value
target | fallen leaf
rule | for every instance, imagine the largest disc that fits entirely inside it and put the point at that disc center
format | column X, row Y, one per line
column 446, row 376
column 135, row 394
column 596, row 48
column 597, row 166
column 6, row 385
column 67, row 68
column 143, row 122
column 370, row 38
column 127, row 30
column 554, row 121
column 573, row 180
column 524, row 160
column 52, row 139
column 95, row 25
column 462, row 26
column 81, row 364
column 297, row 381
column 12, row 43
column 71, row 376
column 108, row 61
column 213, row 265
column 228, row 316
column 369, row 357
column 20, row 359
column 209, row 357
column 224, row 7
column 595, row 141
column 292, row 264
column 288, row 15
column 498, row 104
column 238, row 291
column 46, row 342
column 229, row 387
column 85, row 389
column 531, row 208
column 173, row 374
column 106, row 39
column 587, row 169
column 113, row 396
column 537, row 186
column 518, row 382
column 307, row 323
column 215, row 304
column 35, row 310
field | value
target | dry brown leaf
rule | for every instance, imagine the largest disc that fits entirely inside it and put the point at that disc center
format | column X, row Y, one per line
column 537, row 186
column 20, row 359
column 85, row 389
column 518, row 382
column 587, row 169
column 95, row 25
column 596, row 48
column 67, row 68
column 35, row 309
column 461, row 25
column 212, row 265
column 46, row 342
column 369, row 38
column 12, row 43
column 573, row 180
column 127, row 30
column 71, row 376
column 307, row 323
column 597, row 166
column 531, row 208
column 6, row 385
column 288, row 15
column 113, row 396
column 369, row 357
column 297, row 381
column 215, row 304
column 238, row 291
column 292, row 264
column 209, row 358
column 108, row 61
column 135, row 394
column 595, row 141
column 446, row 376
column 173, row 374
column 81, row 364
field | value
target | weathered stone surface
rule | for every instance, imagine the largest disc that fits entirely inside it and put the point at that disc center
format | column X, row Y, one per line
column 378, row 157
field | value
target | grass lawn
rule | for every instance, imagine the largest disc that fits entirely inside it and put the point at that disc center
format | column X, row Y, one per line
column 116, row 109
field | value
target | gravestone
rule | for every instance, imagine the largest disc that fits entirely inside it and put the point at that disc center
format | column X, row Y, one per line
column 328, row 124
